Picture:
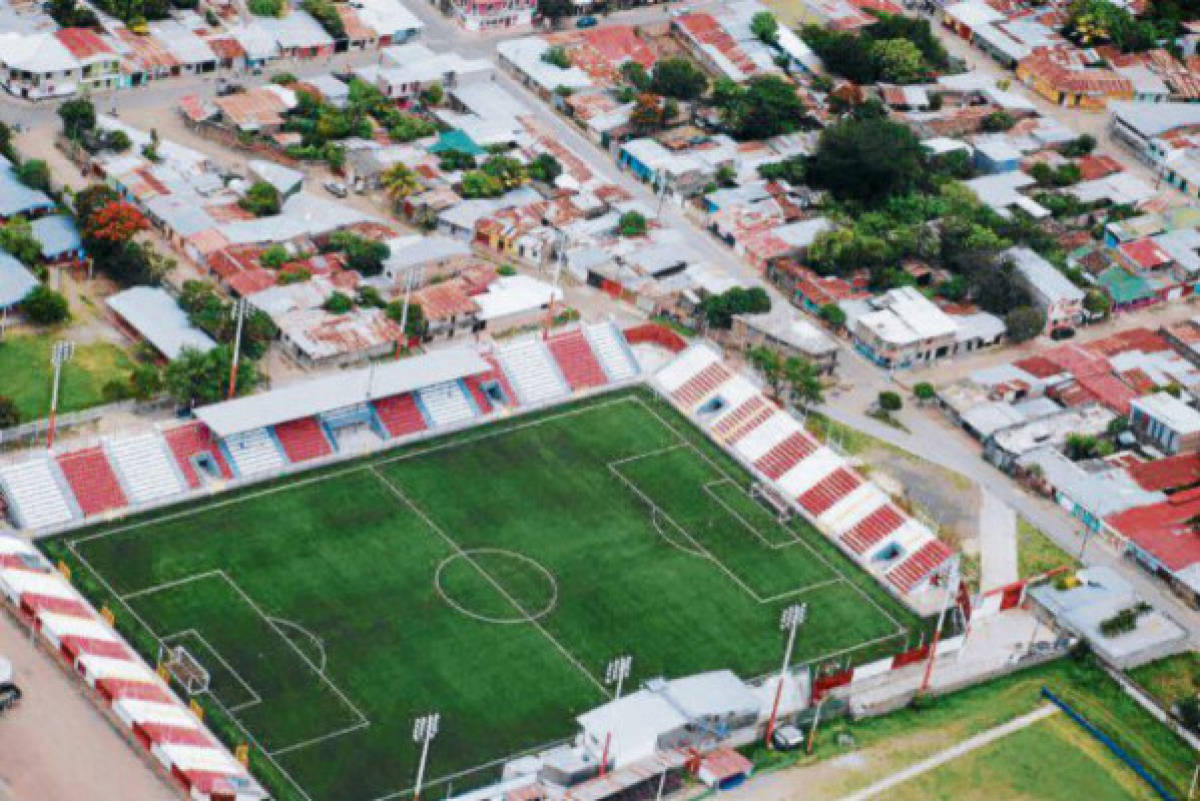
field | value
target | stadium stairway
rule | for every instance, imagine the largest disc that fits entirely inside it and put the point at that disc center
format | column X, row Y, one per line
column 446, row 403
column 303, row 439
column 144, row 467
column 400, row 415
column 189, row 441
column 36, row 495
column 497, row 375
column 612, row 350
column 254, row 452
column 579, row 366
column 474, row 385
column 926, row 559
column 92, row 480
column 532, row 371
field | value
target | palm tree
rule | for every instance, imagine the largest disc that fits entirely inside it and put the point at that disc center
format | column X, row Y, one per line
column 398, row 182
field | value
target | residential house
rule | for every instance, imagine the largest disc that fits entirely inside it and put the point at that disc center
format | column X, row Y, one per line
column 99, row 64
column 1052, row 292
column 1166, row 422
column 59, row 239
column 490, row 15
column 1059, row 75
column 19, row 200
column 900, row 328
column 16, row 282
column 37, row 66
column 784, row 330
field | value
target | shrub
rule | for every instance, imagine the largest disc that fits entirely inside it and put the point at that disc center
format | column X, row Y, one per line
column 265, row 8
column 924, row 391
column 1024, row 323
column 833, row 314
column 34, row 173
column 274, row 257
column 10, row 415
column 338, row 303
column 1124, row 621
column 117, row 141
column 998, row 121
column 558, row 56
column 261, row 200
column 44, row 306
column 890, row 401
column 632, row 223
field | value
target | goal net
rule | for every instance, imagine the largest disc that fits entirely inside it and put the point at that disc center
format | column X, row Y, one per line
column 768, row 496
column 185, row 669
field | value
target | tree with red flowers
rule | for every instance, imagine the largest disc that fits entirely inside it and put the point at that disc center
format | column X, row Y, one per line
column 114, row 224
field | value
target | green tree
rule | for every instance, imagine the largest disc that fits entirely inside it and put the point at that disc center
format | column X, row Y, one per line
column 16, row 238
column 1080, row 147
column 10, row 415
column 557, row 56
column 898, row 61
column 718, row 310
column 364, row 255
column 790, row 169
column 889, row 401
column 765, row 27
column 1097, row 303
column 833, row 314
column 998, row 121
column 924, row 392
column 646, row 115
column 274, row 257
column 770, row 364
column 78, row 116
column 678, row 78
column 804, row 382
column 34, row 173
column 197, row 378
column 632, row 223
column 415, row 325
column 433, row 95
column 507, row 170
column 261, row 199
column 477, row 183
column 845, row 54
column 324, row 12
column 1024, row 323
column 117, row 141
column 636, row 74
column 338, row 303
column 545, row 168
column 145, row 382
column 767, row 106
column 44, row 306
column 867, row 161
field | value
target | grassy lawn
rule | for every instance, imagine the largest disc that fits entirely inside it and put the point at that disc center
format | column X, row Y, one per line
column 1036, row 553
column 489, row 576
column 1052, row 760
column 885, row 745
column 25, row 366
column 1170, row 679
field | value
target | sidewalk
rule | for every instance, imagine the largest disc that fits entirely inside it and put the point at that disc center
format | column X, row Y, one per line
column 997, row 542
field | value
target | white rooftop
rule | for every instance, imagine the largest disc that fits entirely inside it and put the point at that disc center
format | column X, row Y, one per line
column 1170, row 411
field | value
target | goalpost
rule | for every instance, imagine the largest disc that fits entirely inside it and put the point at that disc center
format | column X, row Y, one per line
column 179, row 663
column 770, row 497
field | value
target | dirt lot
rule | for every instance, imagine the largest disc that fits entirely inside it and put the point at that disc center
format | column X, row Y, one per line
column 57, row 746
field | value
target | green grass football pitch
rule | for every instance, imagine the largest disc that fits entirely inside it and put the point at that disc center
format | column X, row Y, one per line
column 489, row 576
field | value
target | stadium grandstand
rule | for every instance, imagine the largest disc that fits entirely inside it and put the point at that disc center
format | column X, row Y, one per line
column 136, row 695
column 349, row 412
column 772, row 444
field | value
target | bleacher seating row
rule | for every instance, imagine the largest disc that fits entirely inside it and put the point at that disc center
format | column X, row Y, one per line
column 843, row 505
column 138, row 697
column 50, row 490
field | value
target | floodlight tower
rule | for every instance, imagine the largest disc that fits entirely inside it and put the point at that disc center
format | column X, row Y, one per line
column 425, row 728
column 615, row 674
column 239, row 311
column 62, row 352
column 790, row 620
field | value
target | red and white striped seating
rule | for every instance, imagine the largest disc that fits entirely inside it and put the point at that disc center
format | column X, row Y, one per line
column 576, row 361
column 400, row 415
column 873, row 529
column 745, row 418
column 702, row 384
column 918, row 565
column 191, row 440
column 92, row 480
column 303, row 439
column 829, row 490
column 497, row 374
column 786, row 455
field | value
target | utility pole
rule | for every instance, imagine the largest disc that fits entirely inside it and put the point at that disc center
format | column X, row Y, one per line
column 239, row 311
column 790, row 620
column 425, row 728
column 560, row 257
column 617, row 671
column 62, row 352
column 951, row 587
column 408, row 282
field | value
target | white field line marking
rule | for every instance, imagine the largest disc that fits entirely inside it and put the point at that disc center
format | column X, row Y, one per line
column 863, row 593
column 362, row 722
column 237, row 721
column 489, row 432
column 952, row 753
column 488, row 577
column 314, row 639
column 255, row 697
column 654, row 520
column 735, row 514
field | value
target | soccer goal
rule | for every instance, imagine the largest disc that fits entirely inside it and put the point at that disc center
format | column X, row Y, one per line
column 184, row 668
column 770, row 497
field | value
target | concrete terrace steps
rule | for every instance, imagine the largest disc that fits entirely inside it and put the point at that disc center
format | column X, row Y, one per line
column 144, row 465
column 92, row 480
column 446, row 403
column 573, row 353
column 613, row 352
column 532, row 371
column 35, row 493
column 255, row 452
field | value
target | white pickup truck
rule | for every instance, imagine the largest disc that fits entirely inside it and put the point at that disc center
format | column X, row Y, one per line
column 10, row 694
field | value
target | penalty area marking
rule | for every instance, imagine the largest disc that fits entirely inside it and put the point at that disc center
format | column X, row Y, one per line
column 470, row 555
column 255, row 698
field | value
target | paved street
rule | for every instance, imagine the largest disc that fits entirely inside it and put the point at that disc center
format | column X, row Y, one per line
column 997, row 543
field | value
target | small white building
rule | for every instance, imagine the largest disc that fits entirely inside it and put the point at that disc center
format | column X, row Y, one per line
column 1169, row 423
column 1052, row 291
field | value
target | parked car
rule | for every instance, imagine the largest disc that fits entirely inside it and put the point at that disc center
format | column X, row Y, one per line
column 336, row 188
column 10, row 694
column 787, row 738
column 229, row 89
column 586, row 22
column 1059, row 334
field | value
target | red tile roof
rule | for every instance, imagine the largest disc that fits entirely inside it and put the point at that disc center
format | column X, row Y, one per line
column 1109, row 390
column 1173, row 472
column 1145, row 253
column 1093, row 167
column 227, row 49
column 1142, row 339
column 1164, row 529
column 83, row 42
column 1038, row 367
column 148, row 51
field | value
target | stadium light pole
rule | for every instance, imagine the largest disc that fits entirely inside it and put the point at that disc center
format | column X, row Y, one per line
column 239, row 310
column 425, row 728
column 951, row 587
column 62, row 352
column 617, row 671
column 408, row 282
column 790, row 621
